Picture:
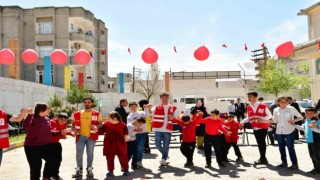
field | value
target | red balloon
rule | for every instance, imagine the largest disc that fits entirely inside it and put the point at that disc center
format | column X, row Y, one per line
column 149, row 56
column 58, row 57
column 7, row 56
column 82, row 56
column 29, row 56
column 285, row 49
column 202, row 53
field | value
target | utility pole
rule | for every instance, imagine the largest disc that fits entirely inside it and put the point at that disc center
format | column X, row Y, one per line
column 135, row 72
column 244, row 74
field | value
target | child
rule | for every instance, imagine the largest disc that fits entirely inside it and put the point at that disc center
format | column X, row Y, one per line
column 141, row 134
column 142, row 104
column 58, row 131
column 115, row 142
column 133, row 128
column 223, row 144
column 188, row 143
column 312, row 138
column 213, row 126
column 232, row 140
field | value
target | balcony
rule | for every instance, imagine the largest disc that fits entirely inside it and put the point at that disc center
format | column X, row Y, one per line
column 44, row 37
column 81, row 36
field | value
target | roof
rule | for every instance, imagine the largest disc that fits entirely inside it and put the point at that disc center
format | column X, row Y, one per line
column 306, row 10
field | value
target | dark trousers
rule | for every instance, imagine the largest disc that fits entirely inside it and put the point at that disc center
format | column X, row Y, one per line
column 187, row 149
column 146, row 143
column 132, row 152
column 35, row 154
column 235, row 147
column 271, row 135
column 223, row 145
column 57, row 155
column 314, row 152
column 240, row 115
column 209, row 141
column 260, row 136
column 287, row 140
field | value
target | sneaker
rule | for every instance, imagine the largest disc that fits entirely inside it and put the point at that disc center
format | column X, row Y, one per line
column 282, row 165
column 297, row 142
column 134, row 167
column 163, row 162
column 207, row 166
column 294, row 167
column 89, row 172
column 78, row 172
column 139, row 164
column 265, row 161
column 239, row 159
column 110, row 174
column 226, row 160
column 126, row 173
column 147, row 151
column 188, row 164
column 221, row 164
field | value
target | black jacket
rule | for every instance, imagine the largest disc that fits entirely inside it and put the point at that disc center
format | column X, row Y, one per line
column 122, row 113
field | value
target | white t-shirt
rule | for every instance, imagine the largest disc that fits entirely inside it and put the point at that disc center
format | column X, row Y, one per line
column 164, row 127
column 131, row 131
column 282, row 116
column 134, row 116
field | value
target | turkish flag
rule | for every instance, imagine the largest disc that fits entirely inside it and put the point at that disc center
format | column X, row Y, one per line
column 262, row 45
column 175, row 49
column 224, row 45
column 129, row 51
column 245, row 47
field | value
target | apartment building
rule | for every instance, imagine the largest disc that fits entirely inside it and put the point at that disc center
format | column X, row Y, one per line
column 47, row 28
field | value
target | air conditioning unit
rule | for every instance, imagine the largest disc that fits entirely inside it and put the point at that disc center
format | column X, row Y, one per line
column 77, row 45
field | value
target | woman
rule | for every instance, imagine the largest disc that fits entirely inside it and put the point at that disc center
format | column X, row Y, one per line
column 284, row 115
column 200, row 130
column 37, row 142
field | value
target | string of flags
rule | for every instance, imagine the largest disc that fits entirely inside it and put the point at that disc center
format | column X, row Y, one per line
column 149, row 55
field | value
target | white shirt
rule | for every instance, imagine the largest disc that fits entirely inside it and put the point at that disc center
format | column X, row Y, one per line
column 134, row 116
column 254, row 108
column 131, row 132
column 164, row 127
column 231, row 108
column 282, row 116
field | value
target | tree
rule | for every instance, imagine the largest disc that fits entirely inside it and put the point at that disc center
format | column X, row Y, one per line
column 149, row 82
column 75, row 95
column 275, row 78
column 55, row 101
column 303, row 79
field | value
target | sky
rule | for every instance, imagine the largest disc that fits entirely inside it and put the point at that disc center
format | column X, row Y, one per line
column 189, row 24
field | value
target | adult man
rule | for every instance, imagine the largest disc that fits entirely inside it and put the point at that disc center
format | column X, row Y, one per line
column 162, row 124
column 120, row 109
column 297, row 107
column 258, row 116
column 4, row 134
column 231, row 108
column 240, row 109
column 85, row 125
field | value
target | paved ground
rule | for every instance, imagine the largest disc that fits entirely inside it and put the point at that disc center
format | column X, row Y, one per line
column 15, row 166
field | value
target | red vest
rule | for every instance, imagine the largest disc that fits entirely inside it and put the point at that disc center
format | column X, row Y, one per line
column 158, row 117
column 94, row 121
column 4, row 134
column 253, row 116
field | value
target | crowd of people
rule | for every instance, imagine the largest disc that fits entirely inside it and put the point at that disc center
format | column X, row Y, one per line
column 126, row 135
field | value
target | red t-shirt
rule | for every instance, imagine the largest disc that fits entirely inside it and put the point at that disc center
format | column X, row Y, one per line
column 189, row 130
column 233, row 127
column 213, row 126
column 56, row 129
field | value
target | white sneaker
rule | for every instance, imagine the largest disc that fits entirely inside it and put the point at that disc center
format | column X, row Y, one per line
column 297, row 142
column 163, row 162
column 89, row 172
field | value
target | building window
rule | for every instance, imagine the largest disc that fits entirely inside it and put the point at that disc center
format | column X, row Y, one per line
column 102, row 32
column 44, row 28
column 109, row 86
column 103, row 73
column 45, row 51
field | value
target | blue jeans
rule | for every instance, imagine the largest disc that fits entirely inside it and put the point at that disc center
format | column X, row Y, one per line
column 166, row 138
column 287, row 140
column 132, row 152
column 1, row 155
column 82, row 142
column 140, row 138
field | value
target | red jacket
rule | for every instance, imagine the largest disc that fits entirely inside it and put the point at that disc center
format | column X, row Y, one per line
column 4, row 134
column 213, row 126
column 189, row 130
column 56, row 129
column 233, row 127
column 260, row 112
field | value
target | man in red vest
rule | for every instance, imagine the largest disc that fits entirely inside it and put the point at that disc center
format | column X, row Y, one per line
column 4, row 134
column 162, row 124
column 259, row 117
column 85, row 125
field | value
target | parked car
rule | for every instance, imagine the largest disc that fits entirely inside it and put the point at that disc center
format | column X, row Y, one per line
column 303, row 105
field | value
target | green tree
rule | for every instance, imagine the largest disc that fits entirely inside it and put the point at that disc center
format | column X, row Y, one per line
column 75, row 95
column 275, row 78
column 303, row 79
column 55, row 101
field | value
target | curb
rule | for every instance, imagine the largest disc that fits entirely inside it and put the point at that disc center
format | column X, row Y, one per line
column 14, row 146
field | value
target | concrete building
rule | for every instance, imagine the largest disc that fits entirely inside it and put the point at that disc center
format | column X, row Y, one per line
column 120, row 84
column 47, row 28
column 309, row 50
